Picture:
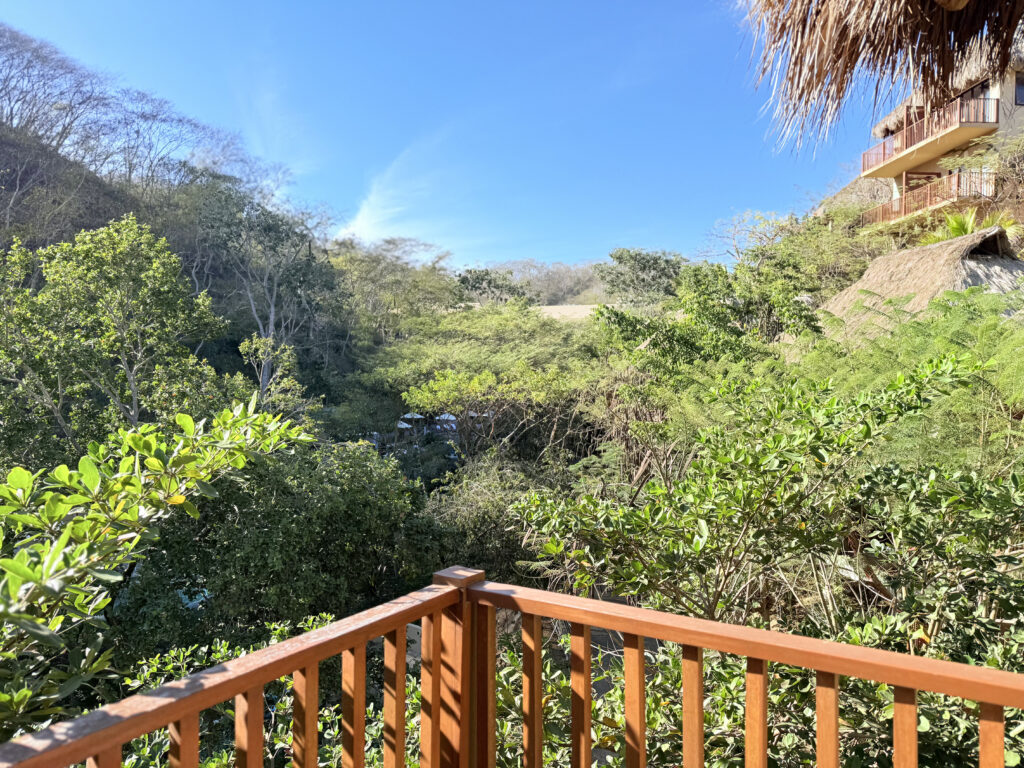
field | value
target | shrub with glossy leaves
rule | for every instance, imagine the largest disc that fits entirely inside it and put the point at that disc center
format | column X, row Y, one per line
column 68, row 534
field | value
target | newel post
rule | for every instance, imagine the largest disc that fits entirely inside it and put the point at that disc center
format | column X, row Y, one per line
column 463, row 642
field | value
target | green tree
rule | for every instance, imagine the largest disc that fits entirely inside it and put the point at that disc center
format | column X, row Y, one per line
column 976, row 428
column 89, row 326
column 387, row 293
column 531, row 412
column 68, row 535
column 356, row 520
column 485, row 285
column 764, row 493
column 636, row 276
column 494, row 338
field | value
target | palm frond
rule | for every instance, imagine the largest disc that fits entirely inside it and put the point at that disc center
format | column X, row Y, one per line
column 966, row 222
column 816, row 54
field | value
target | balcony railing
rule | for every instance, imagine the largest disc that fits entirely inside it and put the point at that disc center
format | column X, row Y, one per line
column 956, row 113
column 962, row 185
column 457, row 722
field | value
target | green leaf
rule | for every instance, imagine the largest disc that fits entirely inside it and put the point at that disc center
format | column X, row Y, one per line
column 90, row 474
column 206, row 489
column 19, row 569
column 19, row 478
column 188, row 426
column 39, row 631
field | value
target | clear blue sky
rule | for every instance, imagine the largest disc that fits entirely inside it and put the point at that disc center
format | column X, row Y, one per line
column 554, row 131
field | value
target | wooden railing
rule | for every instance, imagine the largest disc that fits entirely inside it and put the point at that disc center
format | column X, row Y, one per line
column 962, row 185
column 458, row 686
column 952, row 115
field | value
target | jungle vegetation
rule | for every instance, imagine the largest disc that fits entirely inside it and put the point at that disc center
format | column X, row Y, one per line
column 197, row 383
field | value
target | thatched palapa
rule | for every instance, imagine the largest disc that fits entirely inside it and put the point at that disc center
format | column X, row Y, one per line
column 817, row 53
column 973, row 70
column 983, row 258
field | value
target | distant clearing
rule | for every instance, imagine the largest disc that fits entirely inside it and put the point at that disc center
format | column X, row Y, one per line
column 567, row 311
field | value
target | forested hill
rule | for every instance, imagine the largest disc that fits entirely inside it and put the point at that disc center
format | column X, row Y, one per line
column 220, row 425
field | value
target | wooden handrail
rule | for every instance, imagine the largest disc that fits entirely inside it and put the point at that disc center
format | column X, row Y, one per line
column 76, row 740
column 945, row 189
column 955, row 113
column 457, row 719
column 992, row 686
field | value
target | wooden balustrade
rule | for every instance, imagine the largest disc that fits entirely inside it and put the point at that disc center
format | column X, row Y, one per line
column 457, row 723
column 951, row 188
column 954, row 114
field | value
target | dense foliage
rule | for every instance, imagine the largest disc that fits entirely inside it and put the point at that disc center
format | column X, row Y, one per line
column 68, row 535
column 704, row 443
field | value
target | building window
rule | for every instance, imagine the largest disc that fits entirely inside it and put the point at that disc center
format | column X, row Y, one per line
column 1019, row 89
column 979, row 91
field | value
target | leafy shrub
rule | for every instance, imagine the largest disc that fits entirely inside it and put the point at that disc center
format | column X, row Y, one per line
column 69, row 534
column 333, row 528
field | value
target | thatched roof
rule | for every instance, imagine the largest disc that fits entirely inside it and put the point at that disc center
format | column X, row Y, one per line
column 971, row 72
column 818, row 53
column 894, row 120
column 984, row 258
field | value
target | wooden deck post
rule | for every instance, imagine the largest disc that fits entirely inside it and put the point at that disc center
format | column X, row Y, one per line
column 456, row 730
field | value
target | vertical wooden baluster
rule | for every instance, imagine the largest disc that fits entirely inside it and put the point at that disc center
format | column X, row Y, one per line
column 184, row 751
column 353, row 707
column 458, row 649
column 456, row 676
column 693, row 707
column 580, row 679
column 991, row 737
column 904, row 728
column 394, row 698
column 826, row 706
column 305, row 739
column 450, row 680
column 636, row 702
column 108, row 758
column 756, row 738
column 533, row 716
column 249, row 728
column 485, row 748
column 430, row 691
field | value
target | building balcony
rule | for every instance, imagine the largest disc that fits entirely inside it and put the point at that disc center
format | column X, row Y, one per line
column 931, row 137
column 963, row 185
column 458, row 658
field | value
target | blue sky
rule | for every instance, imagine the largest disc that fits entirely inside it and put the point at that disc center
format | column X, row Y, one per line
column 553, row 131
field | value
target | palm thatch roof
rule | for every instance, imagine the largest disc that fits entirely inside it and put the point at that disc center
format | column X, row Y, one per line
column 923, row 273
column 971, row 72
column 818, row 53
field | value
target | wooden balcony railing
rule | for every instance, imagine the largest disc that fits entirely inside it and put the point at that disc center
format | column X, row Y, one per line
column 458, row 686
column 963, row 185
column 956, row 113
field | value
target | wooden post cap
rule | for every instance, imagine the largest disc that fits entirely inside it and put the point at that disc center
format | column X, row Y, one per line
column 458, row 576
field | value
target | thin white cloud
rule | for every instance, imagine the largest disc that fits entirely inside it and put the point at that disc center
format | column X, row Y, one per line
column 395, row 194
column 419, row 195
